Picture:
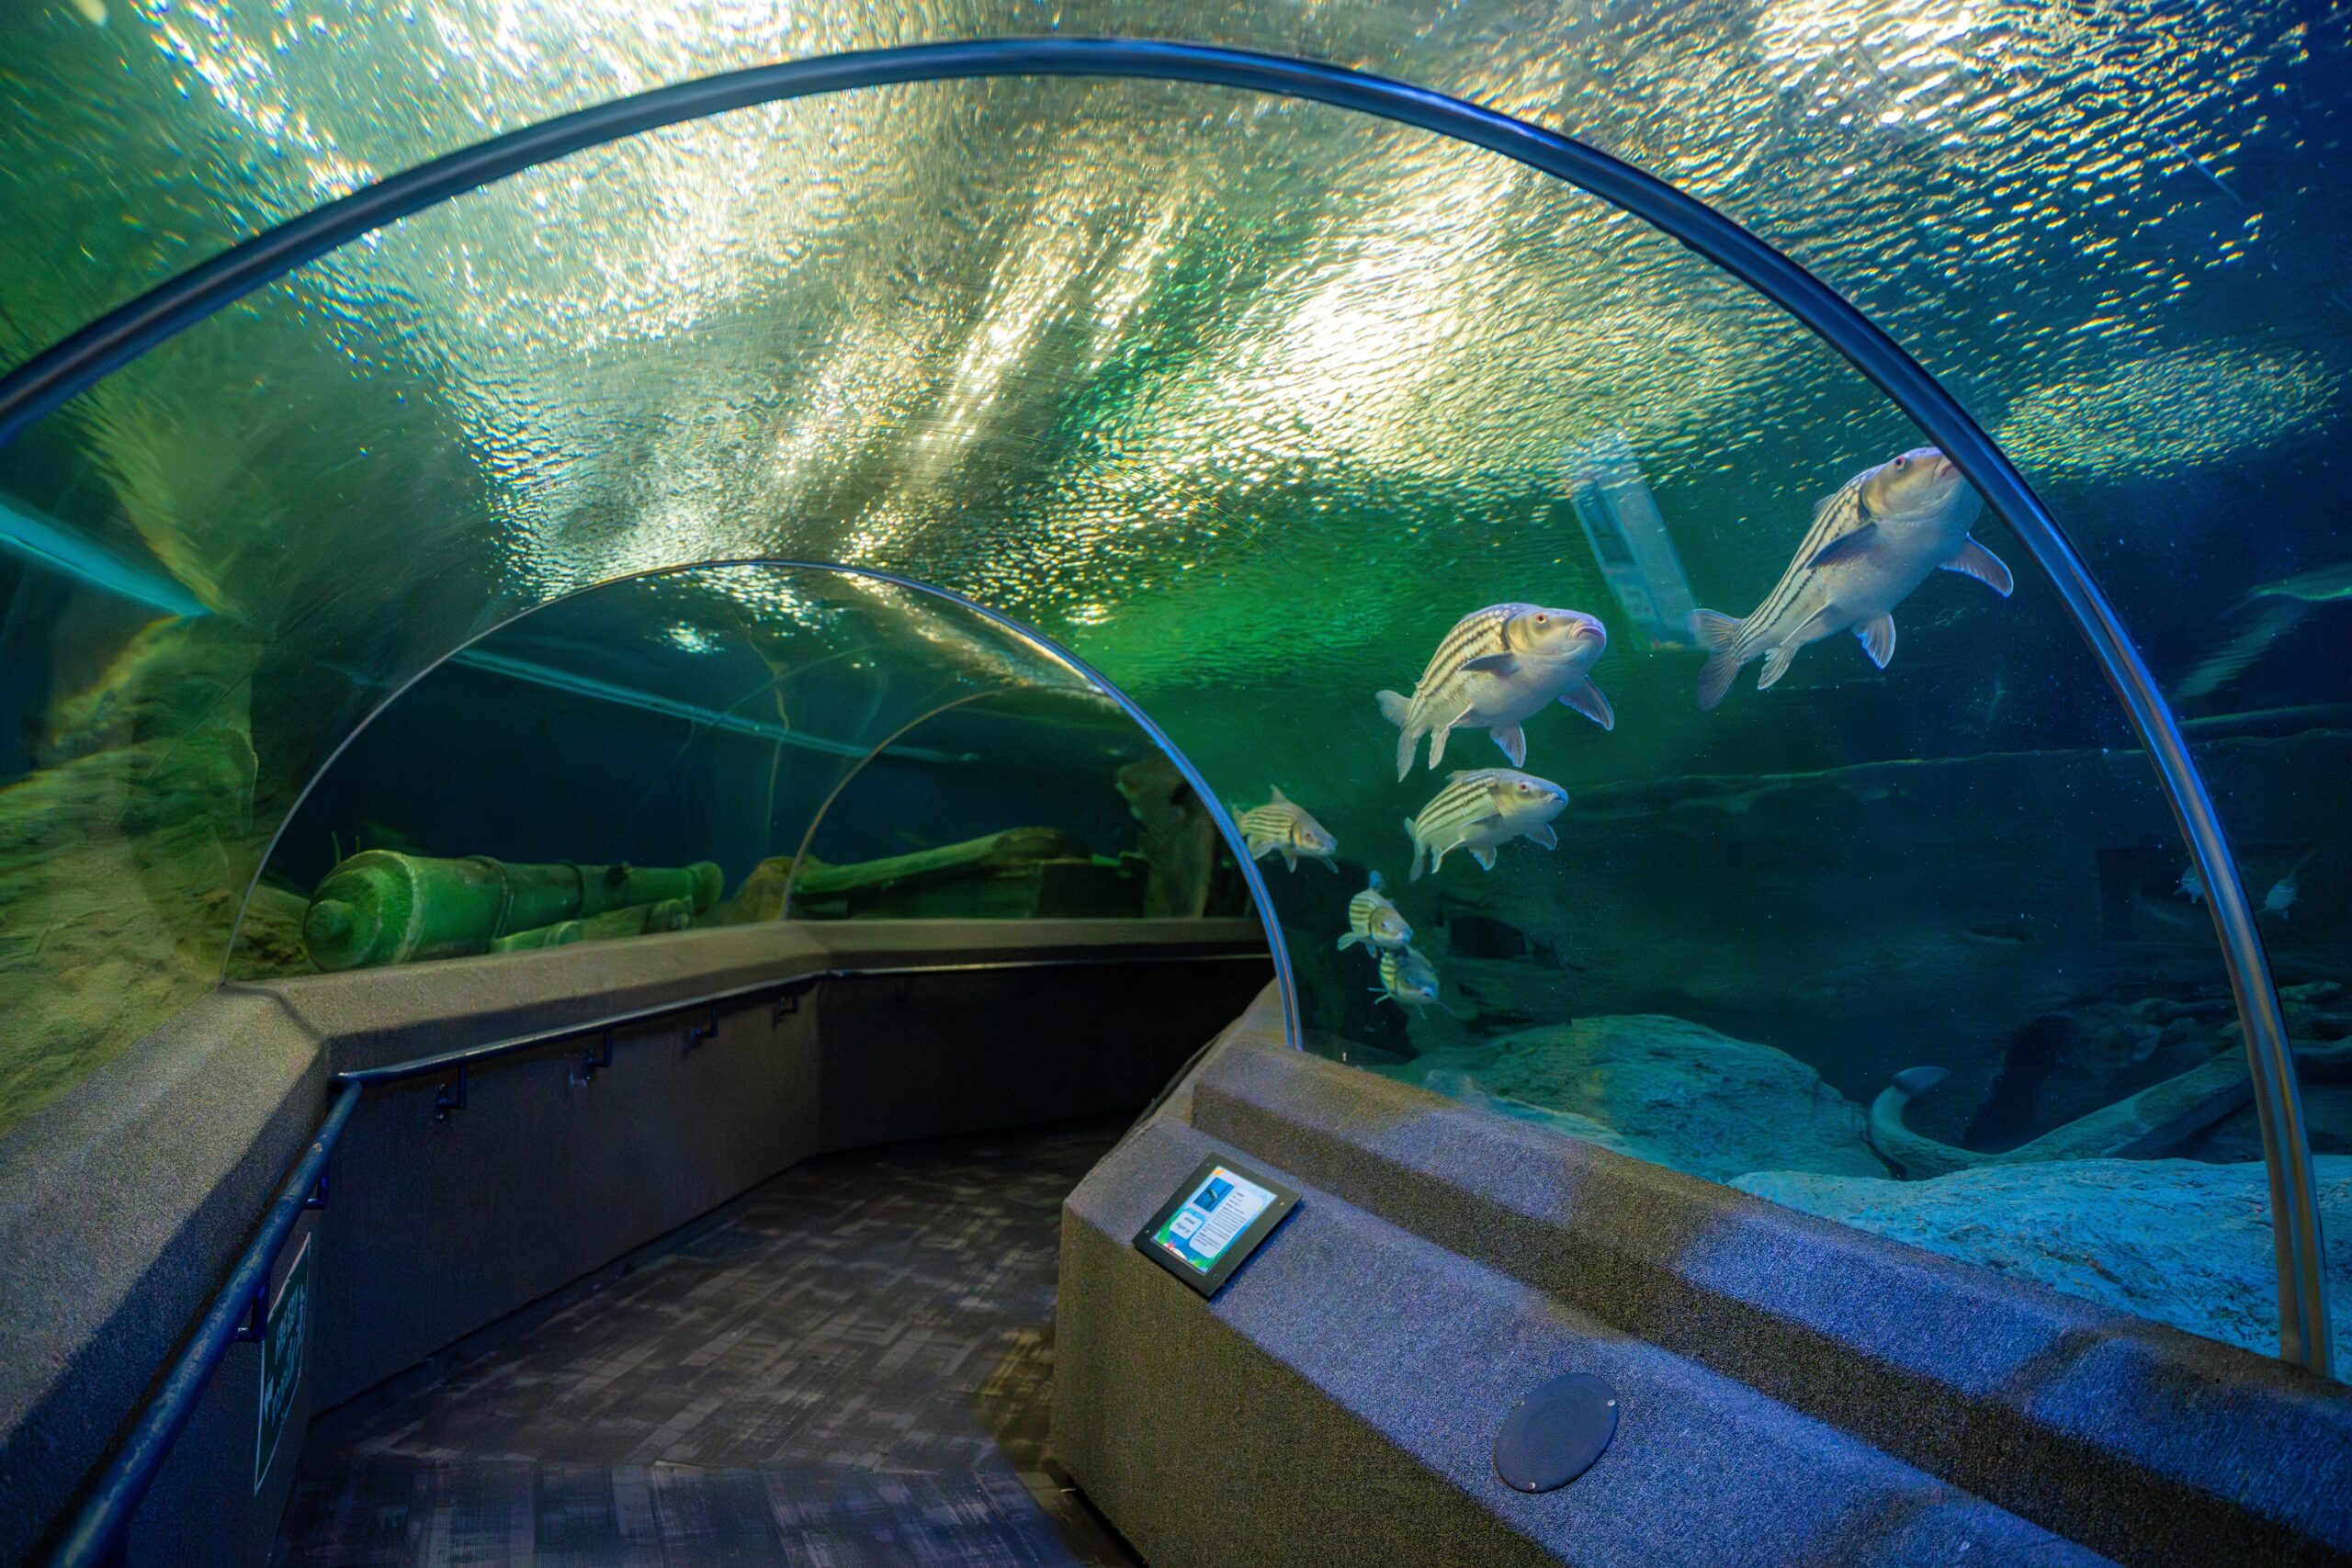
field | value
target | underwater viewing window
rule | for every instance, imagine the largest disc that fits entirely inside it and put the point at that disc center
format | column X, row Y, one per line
column 1863, row 902
column 674, row 750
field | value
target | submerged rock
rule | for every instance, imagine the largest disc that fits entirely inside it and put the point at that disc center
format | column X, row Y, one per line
column 1664, row 1089
column 2170, row 1240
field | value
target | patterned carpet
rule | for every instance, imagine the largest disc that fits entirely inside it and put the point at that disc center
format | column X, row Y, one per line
column 850, row 1366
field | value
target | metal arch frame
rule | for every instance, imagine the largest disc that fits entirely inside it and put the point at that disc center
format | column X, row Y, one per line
column 817, row 818
column 1027, row 636
column 71, row 366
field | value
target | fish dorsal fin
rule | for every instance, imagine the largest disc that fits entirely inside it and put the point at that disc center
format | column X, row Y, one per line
column 1375, row 882
column 1280, row 799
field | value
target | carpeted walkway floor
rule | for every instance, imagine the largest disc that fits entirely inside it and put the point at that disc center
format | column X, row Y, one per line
column 850, row 1366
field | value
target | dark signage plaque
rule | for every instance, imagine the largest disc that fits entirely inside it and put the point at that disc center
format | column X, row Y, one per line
column 1212, row 1224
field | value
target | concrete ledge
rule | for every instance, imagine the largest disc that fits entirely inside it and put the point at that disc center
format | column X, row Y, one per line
column 2137, row 1440
column 1343, row 1393
column 122, row 1204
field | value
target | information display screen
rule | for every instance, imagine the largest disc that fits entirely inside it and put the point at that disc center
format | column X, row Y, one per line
column 1213, row 1222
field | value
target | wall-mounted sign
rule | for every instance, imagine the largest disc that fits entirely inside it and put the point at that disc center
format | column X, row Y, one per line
column 1213, row 1222
column 282, row 1343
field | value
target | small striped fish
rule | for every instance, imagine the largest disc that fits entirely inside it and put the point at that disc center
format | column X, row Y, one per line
column 1481, row 810
column 1373, row 920
column 1497, row 667
column 1409, row 980
column 1883, row 534
column 1281, row 825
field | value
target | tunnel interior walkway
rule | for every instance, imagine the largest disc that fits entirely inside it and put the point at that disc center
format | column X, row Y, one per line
column 850, row 1365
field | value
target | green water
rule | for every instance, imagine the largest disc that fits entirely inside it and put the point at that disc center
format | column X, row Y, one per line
column 1248, row 403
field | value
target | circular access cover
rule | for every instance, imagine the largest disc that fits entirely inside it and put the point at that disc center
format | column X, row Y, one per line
column 1553, row 1434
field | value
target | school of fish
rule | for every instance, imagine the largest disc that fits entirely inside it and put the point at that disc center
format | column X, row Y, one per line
column 1871, row 544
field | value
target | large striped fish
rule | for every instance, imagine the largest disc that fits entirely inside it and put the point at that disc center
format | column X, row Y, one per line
column 1482, row 809
column 1374, row 921
column 1497, row 667
column 1881, row 535
column 1281, row 824
column 1409, row 980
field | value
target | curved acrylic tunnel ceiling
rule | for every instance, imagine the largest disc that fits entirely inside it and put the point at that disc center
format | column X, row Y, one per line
column 1218, row 432
column 727, row 743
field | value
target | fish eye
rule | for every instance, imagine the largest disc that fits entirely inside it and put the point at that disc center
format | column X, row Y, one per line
column 1541, row 618
column 1903, row 462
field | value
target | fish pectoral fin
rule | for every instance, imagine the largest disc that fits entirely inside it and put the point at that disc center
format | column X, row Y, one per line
column 1587, row 699
column 1492, row 664
column 1485, row 857
column 1878, row 639
column 1845, row 546
column 1542, row 834
column 1983, row 566
column 1395, row 708
column 1349, row 941
column 1290, row 857
column 1513, row 741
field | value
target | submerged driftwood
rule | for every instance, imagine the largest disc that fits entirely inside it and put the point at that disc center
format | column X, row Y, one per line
column 1001, row 873
column 2146, row 1125
column 1178, row 841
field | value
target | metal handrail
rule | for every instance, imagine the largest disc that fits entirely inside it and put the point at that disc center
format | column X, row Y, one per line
column 238, row 1309
column 67, row 367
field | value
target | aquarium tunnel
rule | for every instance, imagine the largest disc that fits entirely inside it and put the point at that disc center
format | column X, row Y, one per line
column 1409, row 785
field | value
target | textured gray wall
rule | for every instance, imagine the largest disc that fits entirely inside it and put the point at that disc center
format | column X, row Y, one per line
column 1793, row 1391
column 127, row 1201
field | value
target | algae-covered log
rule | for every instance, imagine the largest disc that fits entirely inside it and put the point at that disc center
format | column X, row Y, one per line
column 638, row 920
column 379, row 907
column 1020, row 874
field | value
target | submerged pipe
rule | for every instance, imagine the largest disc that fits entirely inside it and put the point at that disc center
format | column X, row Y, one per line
column 68, row 367
column 381, row 907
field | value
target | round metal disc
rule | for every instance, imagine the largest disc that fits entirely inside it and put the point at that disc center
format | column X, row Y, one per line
column 1554, row 1434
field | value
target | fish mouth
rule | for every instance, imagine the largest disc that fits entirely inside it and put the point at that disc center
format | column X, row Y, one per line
column 1945, row 467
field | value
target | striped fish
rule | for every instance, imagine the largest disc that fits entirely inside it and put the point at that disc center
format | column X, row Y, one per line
column 1281, row 825
column 1497, row 667
column 1481, row 810
column 1373, row 922
column 1409, row 980
column 1883, row 534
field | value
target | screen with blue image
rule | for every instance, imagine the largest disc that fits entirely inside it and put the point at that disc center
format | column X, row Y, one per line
column 1206, row 1224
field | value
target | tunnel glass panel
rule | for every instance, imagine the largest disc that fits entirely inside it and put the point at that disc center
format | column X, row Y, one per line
column 1251, row 403
column 723, row 745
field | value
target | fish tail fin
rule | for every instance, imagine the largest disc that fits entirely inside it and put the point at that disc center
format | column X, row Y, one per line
column 1420, row 851
column 1719, row 634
